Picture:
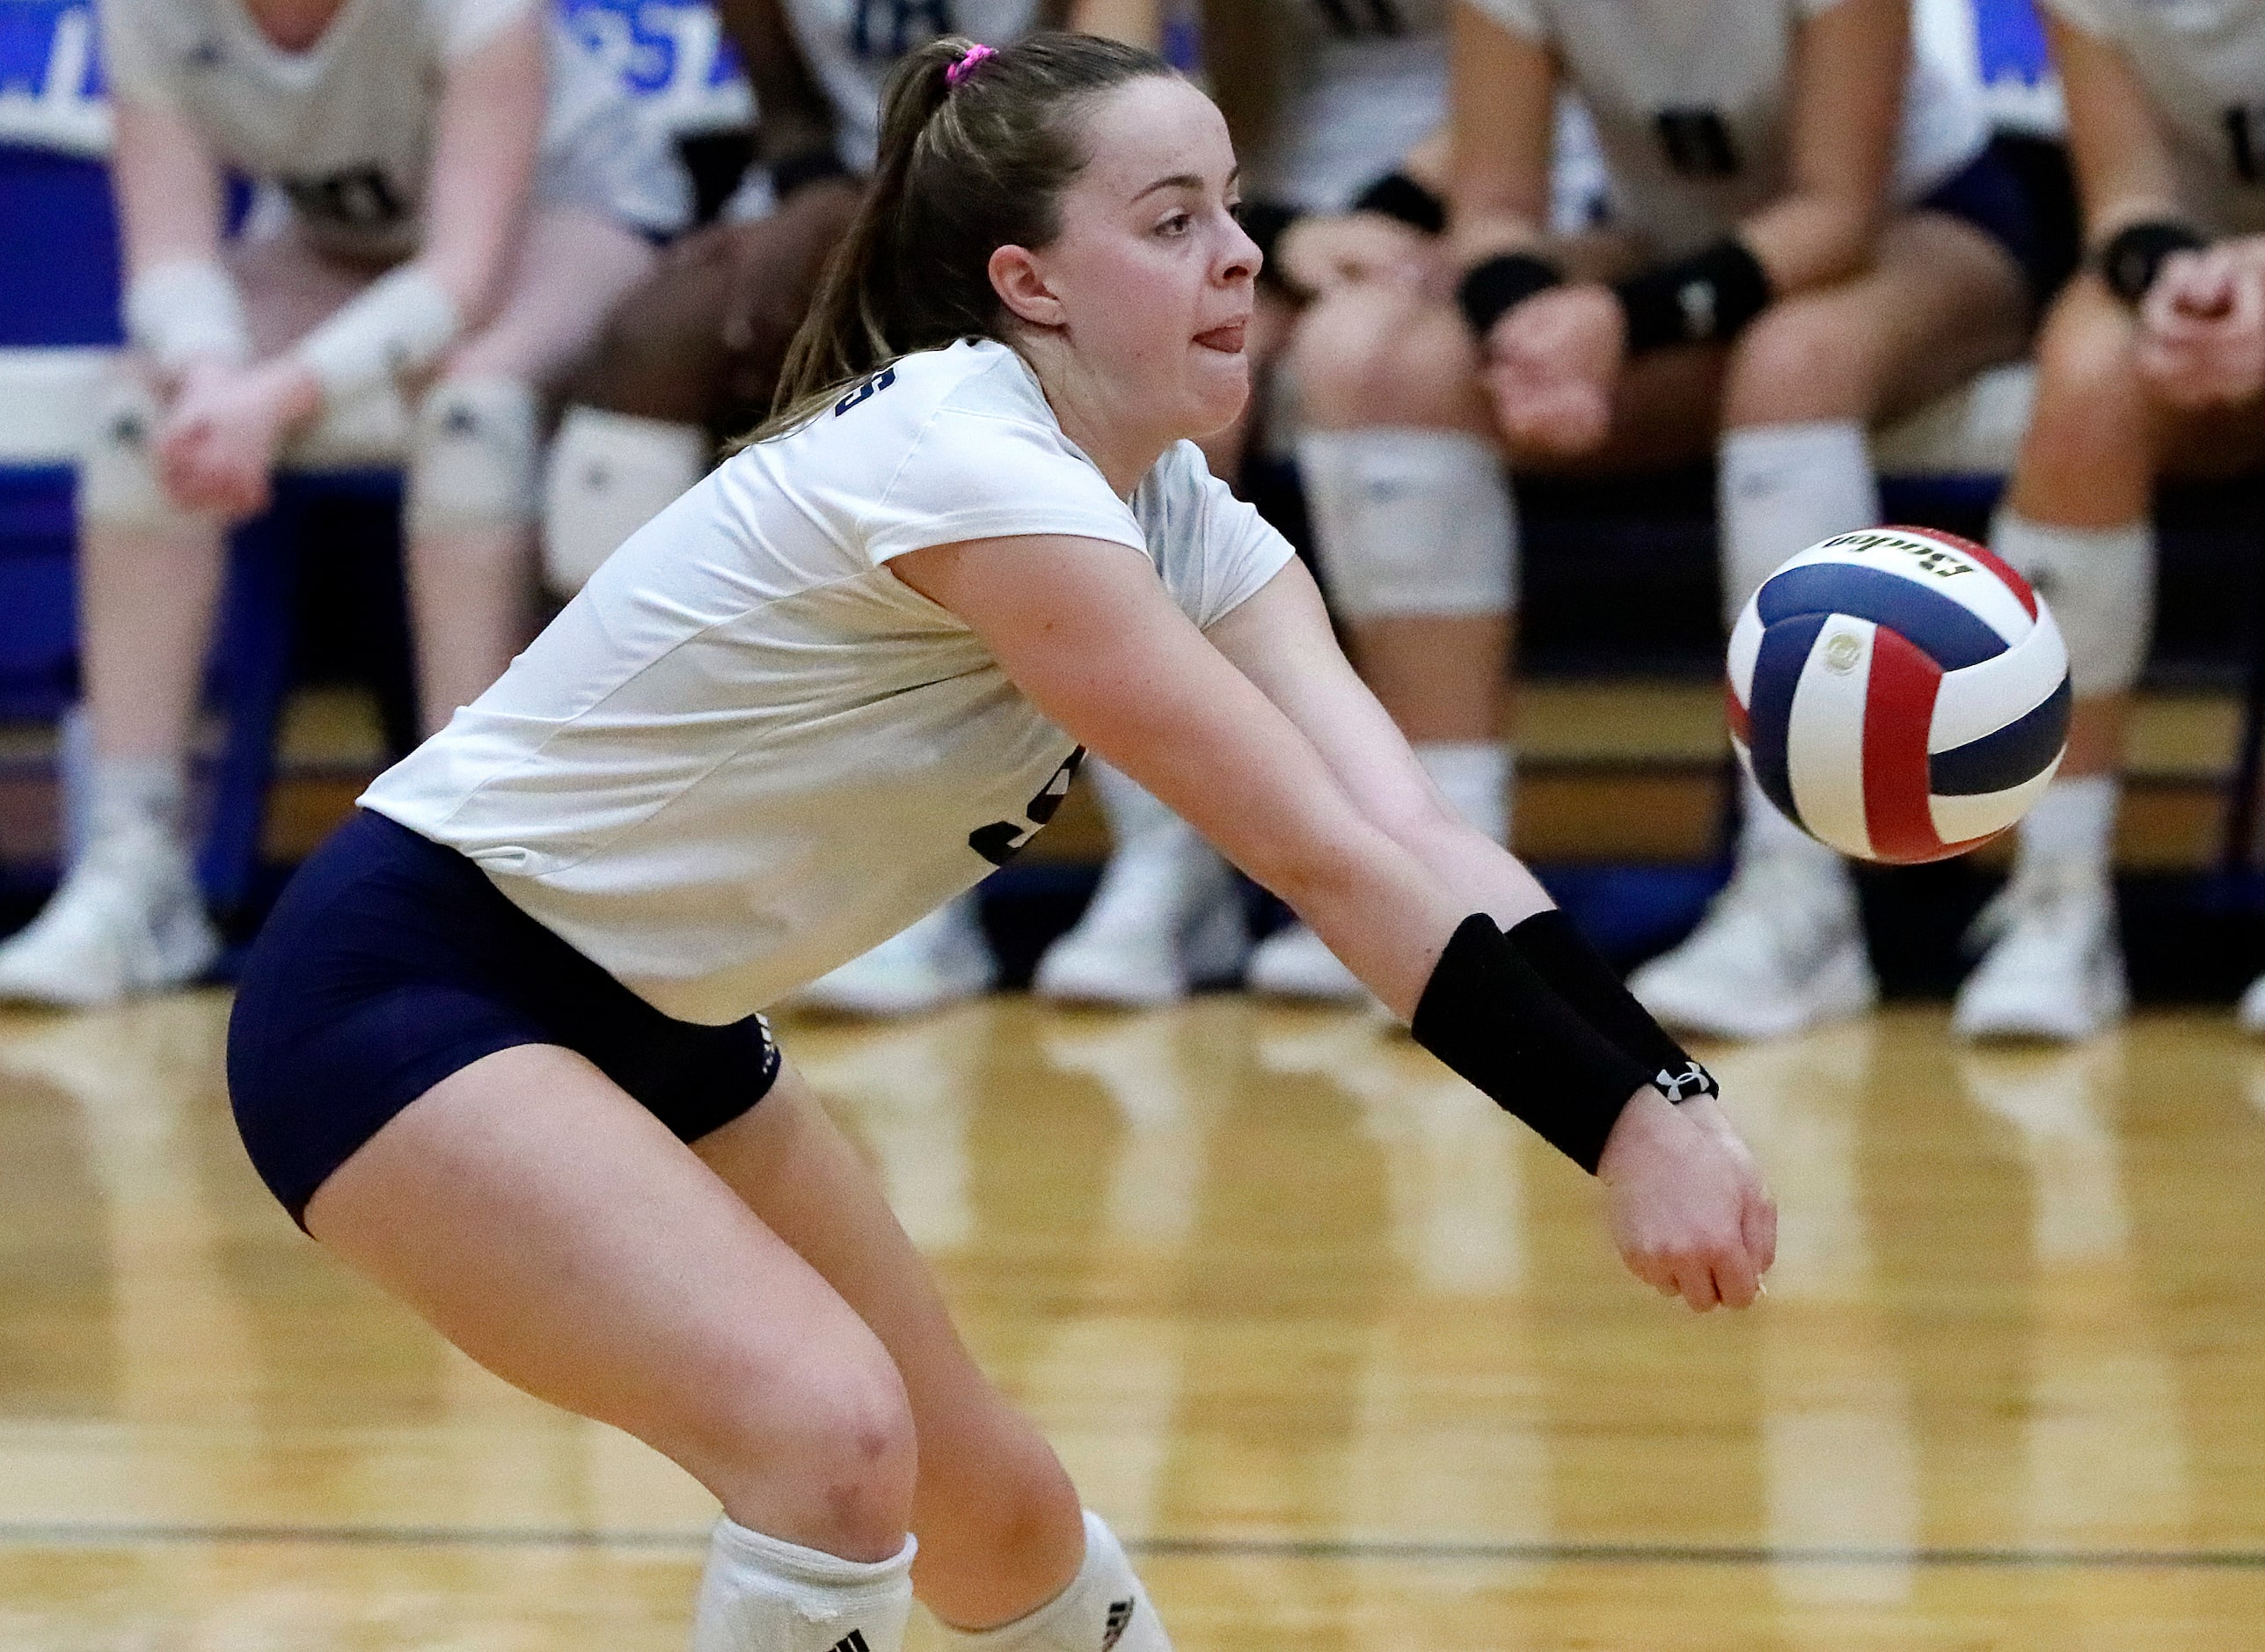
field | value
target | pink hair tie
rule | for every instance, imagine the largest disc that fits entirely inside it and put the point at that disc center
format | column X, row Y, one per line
column 958, row 71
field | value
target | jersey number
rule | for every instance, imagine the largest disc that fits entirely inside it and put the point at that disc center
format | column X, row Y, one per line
column 1361, row 19
column 884, row 28
column 2244, row 142
column 363, row 199
column 1697, row 142
column 1001, row 841
column 866, row 392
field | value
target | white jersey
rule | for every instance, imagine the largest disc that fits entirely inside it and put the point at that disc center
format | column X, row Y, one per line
column 1367, row 83
column 747, row 752
column 1691, row 102
column 345, row 128
column 854, row 46
column 2201, row 64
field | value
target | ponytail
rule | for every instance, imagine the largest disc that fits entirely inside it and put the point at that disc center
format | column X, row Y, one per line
column 975, row 149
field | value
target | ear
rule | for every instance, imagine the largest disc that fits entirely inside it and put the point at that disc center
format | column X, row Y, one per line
column 1022, row 288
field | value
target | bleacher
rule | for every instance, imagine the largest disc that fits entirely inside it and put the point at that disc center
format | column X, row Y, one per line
column 1622, row 791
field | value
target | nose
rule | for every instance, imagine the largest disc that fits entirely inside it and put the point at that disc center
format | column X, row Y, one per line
column 1239, row 257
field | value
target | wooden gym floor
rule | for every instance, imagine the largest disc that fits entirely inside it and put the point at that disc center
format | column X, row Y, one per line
column 1337, row 1347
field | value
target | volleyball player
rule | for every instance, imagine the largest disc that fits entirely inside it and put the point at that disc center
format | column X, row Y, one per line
column 696, row 350
column 499, row 1046
column 1818, row 236
column 2146, row 367
column 442, row 216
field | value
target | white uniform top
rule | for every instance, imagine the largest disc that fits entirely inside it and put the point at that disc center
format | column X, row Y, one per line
column 1367, row 83
column 1691, row 102
column 2201, row 64
column 747, row 751
column 854, row 46
column 345, row 128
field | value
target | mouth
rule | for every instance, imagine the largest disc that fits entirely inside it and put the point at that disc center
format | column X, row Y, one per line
column 1227, row 339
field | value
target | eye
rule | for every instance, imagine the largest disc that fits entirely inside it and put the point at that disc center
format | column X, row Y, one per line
column 1176, row 223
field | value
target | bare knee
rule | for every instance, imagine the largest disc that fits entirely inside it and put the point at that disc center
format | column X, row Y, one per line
column 2092, row 407
column 821, row 1452
column 1803, row 359
column 1369, row 355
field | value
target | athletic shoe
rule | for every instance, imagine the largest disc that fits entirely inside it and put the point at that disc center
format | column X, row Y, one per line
column 1781, row 948
column 940, row 960
column 2053, row 970
column 1296, row 964
column 127, row 920
column 1157, row 926
column 2252, row 1014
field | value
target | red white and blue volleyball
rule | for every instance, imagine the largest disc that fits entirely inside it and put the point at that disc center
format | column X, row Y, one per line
column 1900, row 694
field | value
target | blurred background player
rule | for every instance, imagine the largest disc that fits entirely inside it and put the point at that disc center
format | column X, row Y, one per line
column 691, row 358
column 1339, row 112
column 441, row 217
column 1816, row 234
column 2148, row 364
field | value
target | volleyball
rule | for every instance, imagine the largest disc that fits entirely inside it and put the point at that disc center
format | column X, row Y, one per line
column 1900, row 694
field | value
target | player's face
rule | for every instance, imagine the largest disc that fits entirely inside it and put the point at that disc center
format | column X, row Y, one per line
column 1151, row 271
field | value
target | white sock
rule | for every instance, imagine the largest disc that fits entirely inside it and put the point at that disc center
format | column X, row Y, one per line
column 2072, row 824
column 1410, row 521
column 1139, row 824
column 1765, row 834
column 1476, row 776
column 130, row 793
column 1105, row 1609
column 611, row 473
column 761, row 1594
column 1780, row 489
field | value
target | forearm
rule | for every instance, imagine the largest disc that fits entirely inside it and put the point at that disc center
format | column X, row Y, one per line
column 1806, row 239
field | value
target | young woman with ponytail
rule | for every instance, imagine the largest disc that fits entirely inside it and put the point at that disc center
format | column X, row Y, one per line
column 500, row 1047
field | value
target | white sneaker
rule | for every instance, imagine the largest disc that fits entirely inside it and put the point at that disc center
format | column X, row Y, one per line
column 1296, row 964
column 2054, row 969
column 1781, row 948
column 2251, row 1016
column 1152, row 929
column 940, row 960
column 127, row 920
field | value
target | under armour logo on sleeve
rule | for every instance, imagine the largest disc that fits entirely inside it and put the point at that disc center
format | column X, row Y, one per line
column 1681, row 1087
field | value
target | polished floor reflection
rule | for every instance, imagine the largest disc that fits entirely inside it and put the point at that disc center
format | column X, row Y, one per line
column 1342, row 1349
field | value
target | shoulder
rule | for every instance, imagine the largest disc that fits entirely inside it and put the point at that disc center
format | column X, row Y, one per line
column 462, row 26
column 1528, row 18
column 2094, row 17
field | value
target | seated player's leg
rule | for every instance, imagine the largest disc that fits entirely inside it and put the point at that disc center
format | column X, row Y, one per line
column 695, row 348
column 2075, row 523
column 1782, row 947
column 129, row 918
column 1417, row 538
column 556, row 1232
column 475, row 457
column 1003, row 1547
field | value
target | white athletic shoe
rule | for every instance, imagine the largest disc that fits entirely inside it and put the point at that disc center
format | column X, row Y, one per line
column 1152, row 930
column 1781, row 948
column 2252, row 1016
column 2053, row 970
column 940, row 960
column 1296, row 964
column 127, row 920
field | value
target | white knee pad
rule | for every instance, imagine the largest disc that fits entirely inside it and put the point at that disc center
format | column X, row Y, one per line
column 2100, row 582
column 118, row 481
column 609, row 474
column 473, row 455
column 1410, row 521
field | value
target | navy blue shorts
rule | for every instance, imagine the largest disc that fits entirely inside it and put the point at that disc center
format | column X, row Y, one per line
column 392, row 962
column 1993, row 194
